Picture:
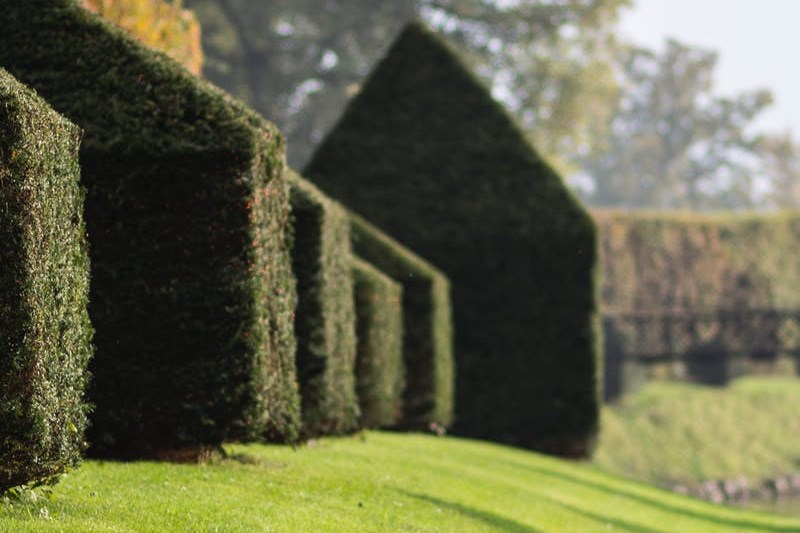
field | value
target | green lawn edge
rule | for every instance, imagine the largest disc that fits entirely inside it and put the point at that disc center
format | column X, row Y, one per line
column 371, row 482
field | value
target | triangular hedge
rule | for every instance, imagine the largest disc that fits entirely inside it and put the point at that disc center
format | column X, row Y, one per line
column 45, row 334
column 426, row 153
column 187, row 209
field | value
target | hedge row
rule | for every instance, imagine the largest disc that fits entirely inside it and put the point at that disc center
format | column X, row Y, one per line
column 325, row 317
column 680, row 261
column 45, row 334
column 380, row 373
column 427, row 154
column 187, row 210
column 427, row 326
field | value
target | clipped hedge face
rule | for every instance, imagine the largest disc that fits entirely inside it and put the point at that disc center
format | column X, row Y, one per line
column 427, row 327
column 680, row 261
column 380, row 373
column 45, row 334
column 425, row 153
column 325, row 319
column 186, row 209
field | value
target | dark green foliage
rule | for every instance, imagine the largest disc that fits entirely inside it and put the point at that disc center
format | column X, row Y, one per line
column 427, row 326
column 325, row 318
column 380, row 374
column 186, row 209
column 45, row 334
column 425, row 153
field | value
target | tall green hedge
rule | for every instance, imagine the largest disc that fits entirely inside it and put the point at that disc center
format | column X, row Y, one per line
column 186, row 209
column 325, row 319
column 380, row 373
column 45, row 334
column 426, row 153
column 427, row 326
column 689, row 261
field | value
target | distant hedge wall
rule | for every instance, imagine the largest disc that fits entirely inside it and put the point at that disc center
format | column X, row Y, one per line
column 682, row 261
column 45, row 334
column 325, row 319
column 186, row 209
column 425, row 153
column 427, row 326
column 380, row 373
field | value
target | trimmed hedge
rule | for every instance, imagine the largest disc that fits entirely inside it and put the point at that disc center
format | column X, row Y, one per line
column 325, row 319
column 380, row 373
column 45, row 334
column 427, row 326
column 689, row 261
column 192, row 292
column 427, row 154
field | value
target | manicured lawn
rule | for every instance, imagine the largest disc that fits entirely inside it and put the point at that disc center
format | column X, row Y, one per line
column 677, row 432
column 374, row 482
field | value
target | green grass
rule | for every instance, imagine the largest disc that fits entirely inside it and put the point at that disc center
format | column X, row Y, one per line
column 382, row 482
column 673, row 432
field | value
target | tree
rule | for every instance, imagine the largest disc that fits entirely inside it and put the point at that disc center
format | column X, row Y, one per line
column 673, row 142
column 780, row 159
column 160, row 24
column 298, row 62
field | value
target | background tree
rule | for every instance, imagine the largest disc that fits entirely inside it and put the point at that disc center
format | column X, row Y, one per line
column 674, row 143
column 160, row 24
column 298, row 62
column 780, row 159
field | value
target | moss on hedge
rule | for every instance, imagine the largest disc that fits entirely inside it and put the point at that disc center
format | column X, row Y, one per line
column 427, row 326
column 325, row 319
column 380, row 373
column 426, row 153
column 45, row 334
column 186, row 209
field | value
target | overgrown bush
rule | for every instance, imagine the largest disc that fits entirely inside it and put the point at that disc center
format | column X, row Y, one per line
column 425, row 153
column 45, row 334
column 380, row 373
column 325, row 318
column 192, row 293
column 427, row 326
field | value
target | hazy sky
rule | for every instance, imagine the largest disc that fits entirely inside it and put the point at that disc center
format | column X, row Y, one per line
column 758, row 42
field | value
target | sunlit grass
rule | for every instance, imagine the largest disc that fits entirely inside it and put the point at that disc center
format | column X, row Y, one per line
column 382, row 482
column 672, row 432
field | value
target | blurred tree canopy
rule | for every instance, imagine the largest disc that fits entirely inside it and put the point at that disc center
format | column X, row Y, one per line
column 673, row 142
column 299, row 61
column 160, row 24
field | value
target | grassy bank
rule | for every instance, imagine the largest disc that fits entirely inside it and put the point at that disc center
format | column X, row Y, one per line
column 382, row 482
column 673, row 432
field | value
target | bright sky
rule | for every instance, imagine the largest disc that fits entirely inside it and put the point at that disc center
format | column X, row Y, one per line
column 758, row 43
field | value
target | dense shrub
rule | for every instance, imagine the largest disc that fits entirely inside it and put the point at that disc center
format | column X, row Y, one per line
column 325, row 319
column 380, row 373
column 427, row 326
column 426, row 153
column 682, row 261
column 710, row 272
column 45, row 334
column 186, row 209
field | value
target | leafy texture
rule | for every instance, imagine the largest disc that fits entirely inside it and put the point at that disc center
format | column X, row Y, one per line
column 163, row 25
column 186, row 209
column 425, row 153
column 45, row 334
column 325, row 319
column 380, row 374
column 427, row 326
column 684, row 261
